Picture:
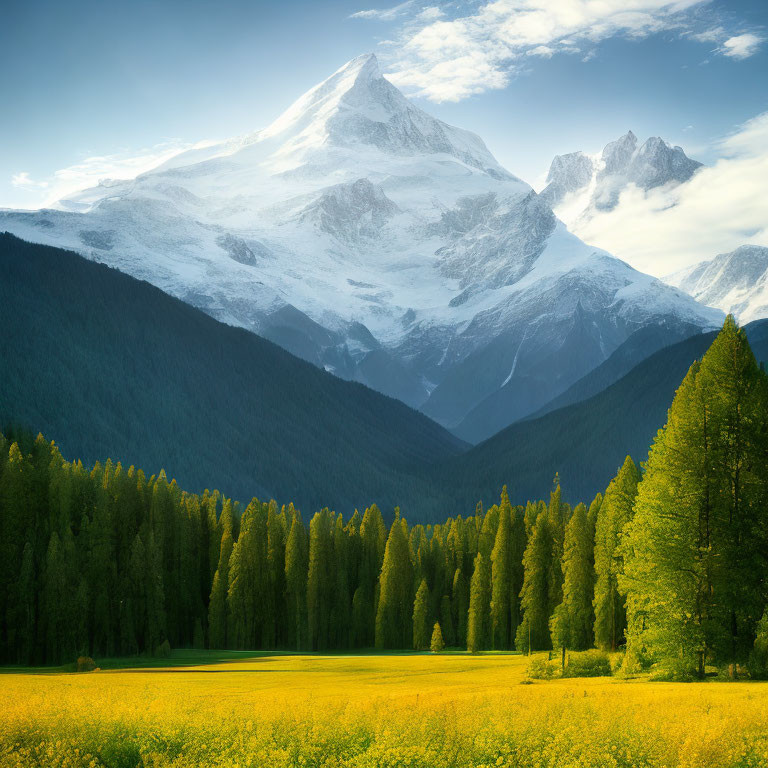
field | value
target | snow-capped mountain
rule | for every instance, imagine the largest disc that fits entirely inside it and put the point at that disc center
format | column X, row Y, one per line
column 364, row 235
column 736, row 282
column 580, row 185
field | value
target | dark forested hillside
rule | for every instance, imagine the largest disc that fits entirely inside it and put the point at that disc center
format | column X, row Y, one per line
column 585, row 442
column 111, row 366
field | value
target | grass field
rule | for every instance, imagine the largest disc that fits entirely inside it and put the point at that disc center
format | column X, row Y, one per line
column 422, row 711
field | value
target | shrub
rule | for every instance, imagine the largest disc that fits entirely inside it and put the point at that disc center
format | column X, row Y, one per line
column 634, row 661
column 673, row 670
column 587, row 664
column 540, row 668
column 85, row 664
column 758, row 659
column 163, row 651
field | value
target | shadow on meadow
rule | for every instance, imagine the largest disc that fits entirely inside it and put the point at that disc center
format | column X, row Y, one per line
column 183, row 660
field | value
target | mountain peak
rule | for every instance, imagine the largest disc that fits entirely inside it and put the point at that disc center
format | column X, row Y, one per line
column 623, row 161
column 617, row 154
column 357, row 106
column 365, row 66
column 356, row 87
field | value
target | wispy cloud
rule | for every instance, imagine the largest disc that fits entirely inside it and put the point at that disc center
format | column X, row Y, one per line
column 383, row 14
column 91, row 170
column 479, row 46
column 23, row 181
column 722, row 207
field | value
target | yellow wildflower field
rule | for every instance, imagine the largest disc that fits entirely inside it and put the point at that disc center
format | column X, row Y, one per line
column 415, row 710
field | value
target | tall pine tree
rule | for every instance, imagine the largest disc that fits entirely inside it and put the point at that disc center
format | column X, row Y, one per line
column 615, row 512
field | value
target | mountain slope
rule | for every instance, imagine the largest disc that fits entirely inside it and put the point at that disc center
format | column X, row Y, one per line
column 585, row 442
column 111, row 366
column 484, row 420
column 639, row 346
column 736, row 282
column 379, row 243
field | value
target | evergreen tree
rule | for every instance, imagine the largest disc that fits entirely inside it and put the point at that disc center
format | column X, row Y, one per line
column 217, row 602
column 54, row 600
column 501, row 578
column 478, row 629
column 518, row 543
column 533, row 631
column 446, row 620
column 571, row 623
column 296, row 580
column 556, row 515
column 249, row 587
column 615, row 512
column 341, row 626
column 15, row 497
column 274, row 618
column 695, row 563
column 319, row 581
column 460, row 604
column 373, row 534
column 23, row 620
column 420, row 618
column 437, row 645
column 393, row 618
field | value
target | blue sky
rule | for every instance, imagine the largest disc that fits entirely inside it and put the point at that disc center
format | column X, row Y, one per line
column 105, row 88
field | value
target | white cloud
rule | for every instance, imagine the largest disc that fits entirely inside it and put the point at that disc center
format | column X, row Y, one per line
column 450, row 59
column 430, row 14
column 23, row 181
column 720, row 208
column 480, row 47
column 383, row 14
column 91, row 170
column 711, row 35
column 741, row 46
column 542, row 50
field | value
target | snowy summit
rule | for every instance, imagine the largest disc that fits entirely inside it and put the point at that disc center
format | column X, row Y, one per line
column 364, row 235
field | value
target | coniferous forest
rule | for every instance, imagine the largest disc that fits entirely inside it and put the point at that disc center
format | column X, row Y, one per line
column 670, row 562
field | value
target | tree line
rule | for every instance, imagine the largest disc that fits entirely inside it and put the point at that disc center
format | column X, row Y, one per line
column 671, row 563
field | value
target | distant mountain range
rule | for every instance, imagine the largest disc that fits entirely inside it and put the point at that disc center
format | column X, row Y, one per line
column 388, row 248
column 736, row 282
column 581, row 185
column 109, row 366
